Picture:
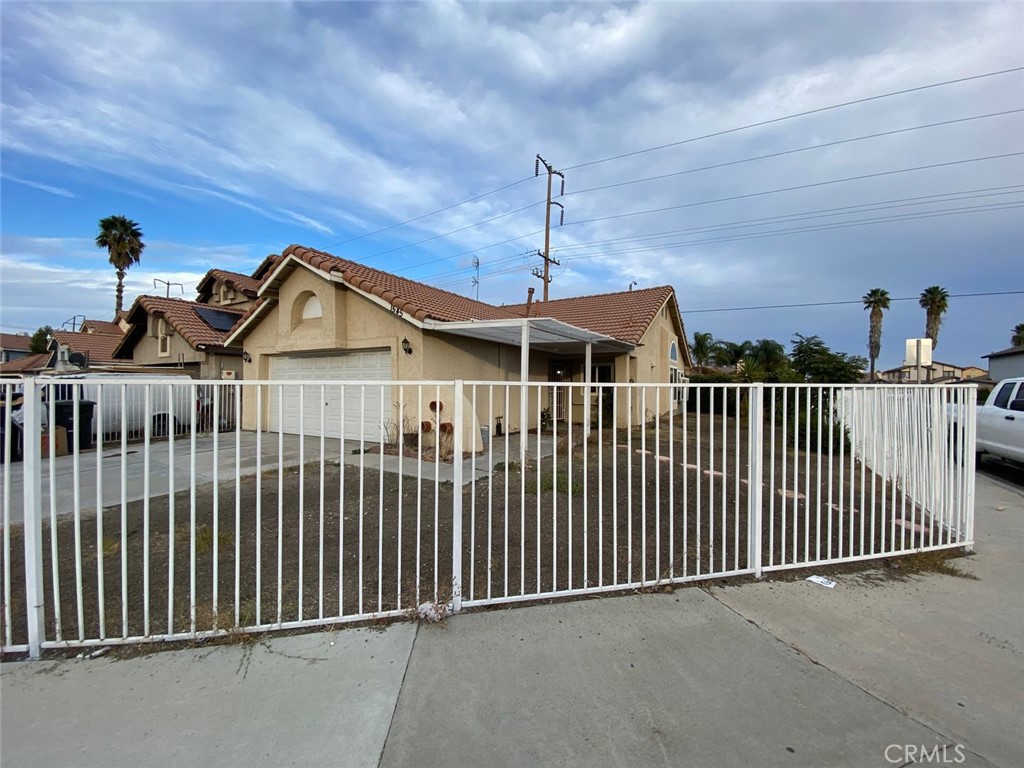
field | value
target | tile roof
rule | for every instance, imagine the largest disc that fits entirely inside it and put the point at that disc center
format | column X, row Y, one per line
column 97, row 347
column 15, row 341
column 103, row 326
column 182, row 316
column 419, row 300
column 23, row 364
column 242, row 283
column 625, row 315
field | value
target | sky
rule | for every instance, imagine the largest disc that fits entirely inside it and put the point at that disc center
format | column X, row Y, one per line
column 229, row 131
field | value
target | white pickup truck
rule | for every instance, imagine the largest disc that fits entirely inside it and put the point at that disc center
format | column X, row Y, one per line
column 1001, row 421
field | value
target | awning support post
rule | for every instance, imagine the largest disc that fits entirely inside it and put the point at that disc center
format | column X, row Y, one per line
column 524, row 377
column 587, row 397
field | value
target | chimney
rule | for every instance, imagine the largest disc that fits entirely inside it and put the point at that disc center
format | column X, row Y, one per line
column 529, row 300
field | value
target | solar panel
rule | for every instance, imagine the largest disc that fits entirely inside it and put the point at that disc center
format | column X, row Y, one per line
column 217, row 319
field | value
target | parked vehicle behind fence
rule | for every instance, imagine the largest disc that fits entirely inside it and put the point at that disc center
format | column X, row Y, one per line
column 124, row 403
column 1000, row 424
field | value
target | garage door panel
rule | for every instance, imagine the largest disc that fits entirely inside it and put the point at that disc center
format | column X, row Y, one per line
column 331, row 409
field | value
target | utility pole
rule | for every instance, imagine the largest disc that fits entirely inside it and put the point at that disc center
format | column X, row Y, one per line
column 548, row 261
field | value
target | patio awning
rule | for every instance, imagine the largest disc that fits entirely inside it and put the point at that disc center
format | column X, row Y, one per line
column 544, row 333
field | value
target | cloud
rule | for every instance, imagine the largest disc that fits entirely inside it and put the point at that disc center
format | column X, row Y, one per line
column 338, row 119
column 60, row 191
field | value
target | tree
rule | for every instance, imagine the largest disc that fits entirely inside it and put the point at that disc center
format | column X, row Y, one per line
column 702, row 348
column 877, row 300
column 751, row 369
column 935, row 302
column 40, row 340
column 123, row 240
column 1018, row 335
column 729, row 353
column 815, row 362
column 769, row 354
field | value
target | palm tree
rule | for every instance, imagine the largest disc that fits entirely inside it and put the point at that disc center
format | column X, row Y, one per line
column 1018, row 335
column 729, row 353
column 935, row 302
column 877, row 300
column 770, row 354
column 703, row 346
column 123, row 240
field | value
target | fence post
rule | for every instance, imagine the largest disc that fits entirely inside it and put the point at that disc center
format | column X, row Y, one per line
column 755, row 423
column 970, row 445
column 459, row 424
column 33, row 513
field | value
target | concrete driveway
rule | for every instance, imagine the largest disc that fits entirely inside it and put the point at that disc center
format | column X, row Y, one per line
column 233, row 454
column 875, row 672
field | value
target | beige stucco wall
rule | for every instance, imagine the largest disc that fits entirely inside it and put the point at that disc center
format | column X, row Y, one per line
column 350, row 321
column 206, row 365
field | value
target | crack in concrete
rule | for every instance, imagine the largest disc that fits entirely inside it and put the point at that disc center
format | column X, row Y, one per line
column 876, row 697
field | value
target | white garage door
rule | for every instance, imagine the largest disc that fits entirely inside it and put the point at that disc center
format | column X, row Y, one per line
column 355, row 408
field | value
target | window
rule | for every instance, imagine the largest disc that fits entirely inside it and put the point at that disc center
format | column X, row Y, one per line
column 1003, row 395
column 600, row 374
column 163, row 339
column 673, row 353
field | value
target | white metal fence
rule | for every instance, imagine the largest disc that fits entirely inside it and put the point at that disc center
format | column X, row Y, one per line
column 369, row 499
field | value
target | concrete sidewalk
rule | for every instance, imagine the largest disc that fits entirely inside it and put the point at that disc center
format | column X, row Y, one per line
column 948, row 651
column 771, row 674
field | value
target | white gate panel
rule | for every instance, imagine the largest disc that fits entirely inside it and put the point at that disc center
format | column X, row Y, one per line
column 359, row 408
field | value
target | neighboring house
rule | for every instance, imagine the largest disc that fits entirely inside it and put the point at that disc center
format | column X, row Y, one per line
column 320, row 317
column 186, row 335
column 14, row 346
column 85, row 348
column 111, row 327
column 1006, row 363
column 25, row 366
column 227, row 289
column 936, row 373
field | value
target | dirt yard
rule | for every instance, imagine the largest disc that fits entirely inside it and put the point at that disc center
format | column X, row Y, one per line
column 626, row 508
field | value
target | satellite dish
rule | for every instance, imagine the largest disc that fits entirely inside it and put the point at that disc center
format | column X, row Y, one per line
column 77, row 358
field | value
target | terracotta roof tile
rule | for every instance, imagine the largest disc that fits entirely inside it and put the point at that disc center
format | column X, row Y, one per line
column 97, row 347
column 102, row 326
column 15, row 341
column 416, row 299
column 625, row 315
column 182, row 316
column 243, row 283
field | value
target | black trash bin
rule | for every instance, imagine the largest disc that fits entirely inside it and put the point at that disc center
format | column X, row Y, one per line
column 80, row 428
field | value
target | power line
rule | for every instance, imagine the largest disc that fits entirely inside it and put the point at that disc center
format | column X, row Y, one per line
column 839, row 303
column 723, row 200
column 878, row 205
column 793, row 116
column 672, row 144
column 676, row 173
column 808, row 148
column 875, row 175
column 843, row 210
column 755, row 236
column 833, row 225
column 820, row 228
